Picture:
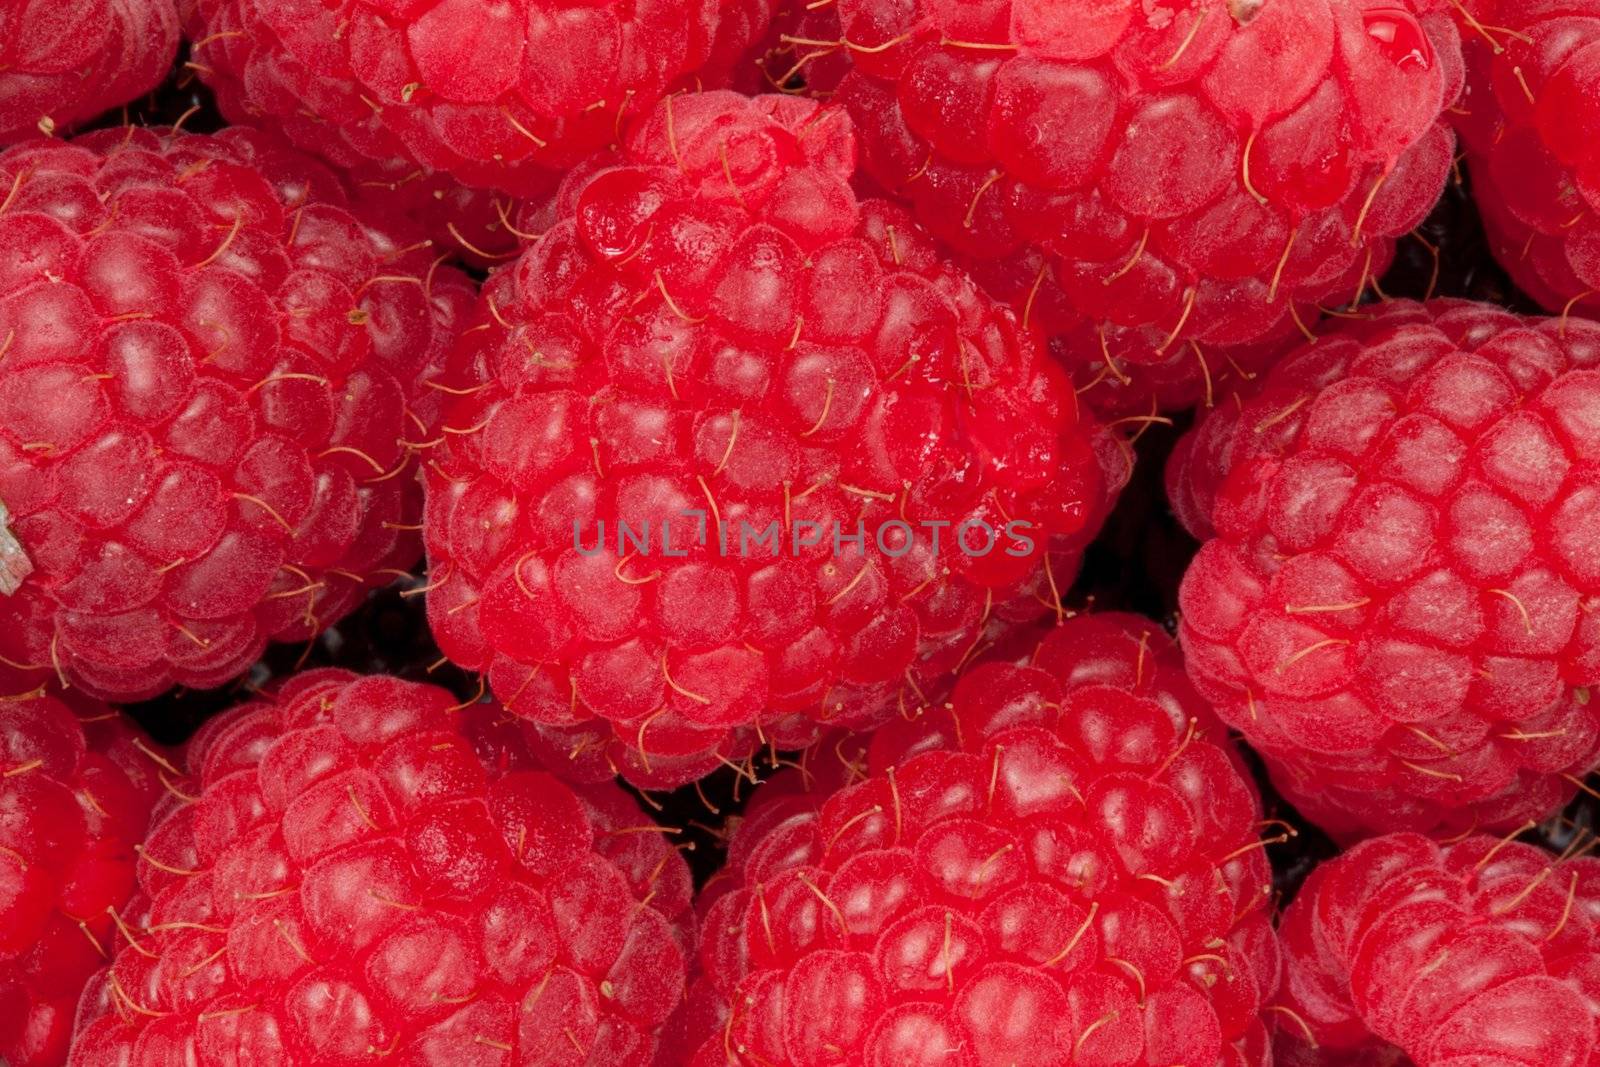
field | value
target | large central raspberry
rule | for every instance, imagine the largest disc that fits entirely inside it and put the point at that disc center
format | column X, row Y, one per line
column 1056, row 868
column 211, row 365
column 493, row 92
column 714, row 343
column 367, row 870
column 1400, row 603
column 1199, row 175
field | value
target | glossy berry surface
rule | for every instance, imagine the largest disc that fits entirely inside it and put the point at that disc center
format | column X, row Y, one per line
column 1531, row 127
column 1197, row 176
column 63, row 63
column 77, row 785
column 1482, row 952
column 718, row 341
column 369, row 869
column 211, row 363
column 1048, row 870
column 494, row 94
column 1399, row 604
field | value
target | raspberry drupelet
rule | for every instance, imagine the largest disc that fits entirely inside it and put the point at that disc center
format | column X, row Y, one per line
column 1198, row 175
column 1399, row 603
column 211, row 365
column 63, row 63
column 1479, row 953
column 369, row 869
column 77, row 785
column 497, row 95
column 716, row 344
column 1531, row 127
column 1049, row 869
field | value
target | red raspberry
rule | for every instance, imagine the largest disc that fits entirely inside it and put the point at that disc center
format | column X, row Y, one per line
column 720, row 325
column 494, row 94
column 1482, row 953
column 363, row 873
column 212, row 365
column 1531, row 124
column 1041, row 872
column 76, row 788
column 64, row 62
column 1198, row 175
column 1399, row 606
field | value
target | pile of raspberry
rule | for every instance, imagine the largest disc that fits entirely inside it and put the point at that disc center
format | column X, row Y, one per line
column 799, row 533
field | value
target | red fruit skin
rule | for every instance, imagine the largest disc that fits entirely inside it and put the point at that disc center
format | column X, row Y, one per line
column 62, row 63
column 1047, row 870
column 1532, row 135
column 1398, row 604
column 1196, row 177
column 368, row 865
column 1406, row 951
column 495, row 95
column 77, row 785
column 770, row 352
column 214, row 364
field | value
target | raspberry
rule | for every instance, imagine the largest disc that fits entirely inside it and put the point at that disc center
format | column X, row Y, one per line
column 494, row 94
column 62, row 63
column 719, row 325
column 1399, row 605
column 1198, row 176
column 364, row 873
column 211, row 363
column 1482, row 953
column 77, row 785
column 1041, row 872
column 1532, row 133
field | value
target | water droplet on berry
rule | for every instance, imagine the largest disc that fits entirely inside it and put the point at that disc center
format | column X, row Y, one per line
column 1399, row 37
